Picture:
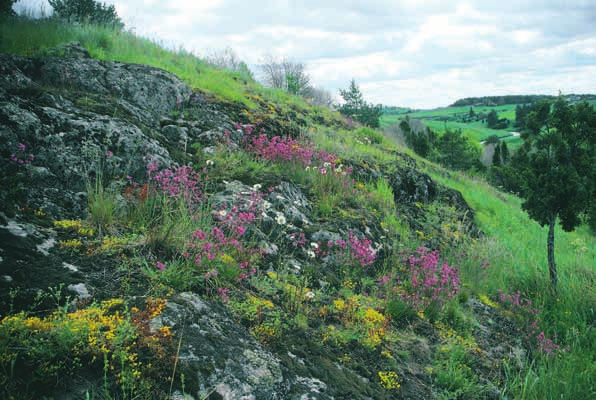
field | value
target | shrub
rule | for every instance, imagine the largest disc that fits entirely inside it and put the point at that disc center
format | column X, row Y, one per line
column 370, row 135
column 87, row 11
column 6, row 8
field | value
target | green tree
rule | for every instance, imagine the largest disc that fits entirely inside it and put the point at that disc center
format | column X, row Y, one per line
column 421, row 142
column 471, row 114
column 492, row 139
column 356, row 108
column 492, row 118
column 592, row 216
column 559, row 167
column 521, row 112
column 6, row 8
column 87, row 11
column 457, row 151
column 504, row 152
column 497, row 155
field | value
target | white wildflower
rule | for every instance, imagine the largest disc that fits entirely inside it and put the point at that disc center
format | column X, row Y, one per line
column 310, row 253
column 209, row 162
column 326, row 165
column 310, row 295
column 280, row 219
column 314, row 245
column 223, row 213
column 256, row 187
column 266, row 205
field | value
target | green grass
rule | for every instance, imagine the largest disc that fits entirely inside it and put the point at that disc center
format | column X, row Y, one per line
column 515, row 248
column 440, row 119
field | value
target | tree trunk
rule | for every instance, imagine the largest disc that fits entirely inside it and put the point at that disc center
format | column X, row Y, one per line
column 552, row 267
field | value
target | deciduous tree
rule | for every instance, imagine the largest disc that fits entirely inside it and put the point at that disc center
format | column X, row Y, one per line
column 457, row 151
column 287, row 75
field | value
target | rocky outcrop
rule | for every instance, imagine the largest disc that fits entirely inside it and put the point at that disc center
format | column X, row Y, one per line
column 69, row 123
column 217, row 356
column 413, row 189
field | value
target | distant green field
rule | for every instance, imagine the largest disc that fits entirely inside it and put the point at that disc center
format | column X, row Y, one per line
column 439, row 119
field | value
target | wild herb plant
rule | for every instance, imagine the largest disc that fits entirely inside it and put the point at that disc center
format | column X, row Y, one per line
column 528, row 319
column 424, row 281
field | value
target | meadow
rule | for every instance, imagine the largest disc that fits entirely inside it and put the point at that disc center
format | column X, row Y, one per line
column 443, row 118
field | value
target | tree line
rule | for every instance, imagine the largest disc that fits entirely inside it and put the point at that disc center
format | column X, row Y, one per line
column 515, row 99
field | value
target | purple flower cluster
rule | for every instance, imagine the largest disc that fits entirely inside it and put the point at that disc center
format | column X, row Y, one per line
column 182, row 183
column 279, row 148
column 226, row 241
column 222, row 250
column 276, row 148
column 547, row 346
column 428, row 281
column 528, row 319
column 350, row 253
column 20, row 157
column 355, row 252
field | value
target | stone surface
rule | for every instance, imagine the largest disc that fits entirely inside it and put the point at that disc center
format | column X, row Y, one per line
column 219, row 357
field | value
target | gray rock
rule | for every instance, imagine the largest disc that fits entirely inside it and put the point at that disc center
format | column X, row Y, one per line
column 216, row 355
column 81, row 291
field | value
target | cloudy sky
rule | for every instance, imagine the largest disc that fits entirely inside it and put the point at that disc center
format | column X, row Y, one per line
column 414, row 53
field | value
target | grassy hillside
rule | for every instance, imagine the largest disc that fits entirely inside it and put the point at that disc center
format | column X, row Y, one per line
column 34, row 38
column 395, row 327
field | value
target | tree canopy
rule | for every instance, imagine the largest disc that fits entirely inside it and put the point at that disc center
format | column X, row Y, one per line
column 6, row 8
column 87, row 11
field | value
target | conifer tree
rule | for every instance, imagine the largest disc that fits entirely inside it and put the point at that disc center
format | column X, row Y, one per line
column 559, row 168
column 504, row 153
column 356, row 108
column 497, row 155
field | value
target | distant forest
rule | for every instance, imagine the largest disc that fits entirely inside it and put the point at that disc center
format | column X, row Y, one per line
column 516, row 99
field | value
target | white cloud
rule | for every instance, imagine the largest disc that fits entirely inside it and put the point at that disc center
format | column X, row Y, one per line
column 524, row 36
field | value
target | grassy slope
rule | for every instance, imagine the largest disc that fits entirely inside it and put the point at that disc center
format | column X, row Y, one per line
column 514, row 245
column 34, row 38
column 515, row 248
